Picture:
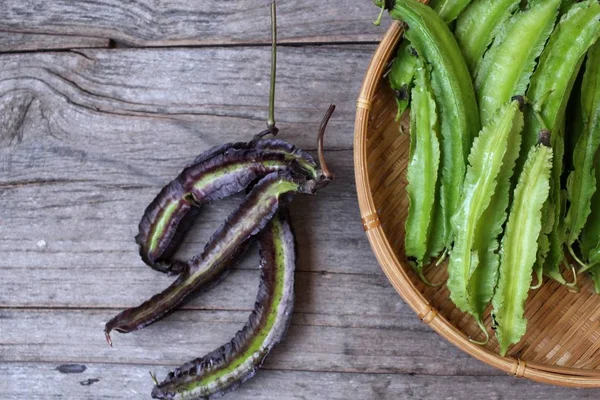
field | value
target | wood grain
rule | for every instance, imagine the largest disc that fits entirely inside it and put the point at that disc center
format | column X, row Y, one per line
column 180, row 100
column 315, row 342
column 46, row 382
column 13, row 41
column 146, row 23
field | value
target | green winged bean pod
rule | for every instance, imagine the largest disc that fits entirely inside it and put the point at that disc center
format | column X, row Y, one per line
column 422, row 171
column 477, row 26
column 566, row 5
column 486, row 160
column 454, row 96
column 509, row 63
column 590, row 237
column 581, row 184
column 449, row 10
column 519, row 245
column 551, row 85
column 487, row 242
column 401, row 76
column 595, row 274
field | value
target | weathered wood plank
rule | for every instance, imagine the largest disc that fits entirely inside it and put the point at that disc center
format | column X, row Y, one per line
column 313, row 343
column 180, row 100
column 99, row 381
column 13, row 41
column 197, row 22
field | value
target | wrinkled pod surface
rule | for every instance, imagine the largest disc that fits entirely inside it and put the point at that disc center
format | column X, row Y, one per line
column 218, row 173
column 232, row 364
column 229, row 241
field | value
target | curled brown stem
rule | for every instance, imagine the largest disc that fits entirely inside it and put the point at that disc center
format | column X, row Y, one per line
column 326, row 172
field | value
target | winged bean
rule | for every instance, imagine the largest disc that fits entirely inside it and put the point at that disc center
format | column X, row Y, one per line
column 422, row 169
column 454, row 96
column 519, row 245
column 508, row 64
column 219, row 173
column 590, row 236
column 486, row 161
column 225, row 368
column 550, row 87
column 483, row 280
column 449, row 10
column 477, row 26
column 581, row 184
column 401, row 76
column 221, row 250
column 229, row 241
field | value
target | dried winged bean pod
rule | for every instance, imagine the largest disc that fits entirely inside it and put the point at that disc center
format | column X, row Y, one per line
column 229, row 241
column 550, row 87
column 401, row 76
column 422, row 170
column 216, row 174
column 449, row 10
column 224, row 246
column 519, row 245
column 486, row 164
column 581, row 184
column 232, row 364
column 508, row 64
column 454, row 96
column 477, row 26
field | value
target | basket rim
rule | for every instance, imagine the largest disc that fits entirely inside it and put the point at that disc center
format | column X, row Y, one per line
column 394, row 269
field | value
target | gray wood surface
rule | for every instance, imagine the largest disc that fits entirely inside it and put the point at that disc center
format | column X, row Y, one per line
column 192, row 22
column 89, row 136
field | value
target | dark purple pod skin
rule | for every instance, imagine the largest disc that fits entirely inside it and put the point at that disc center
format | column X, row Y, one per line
column 220, row 149
column 172, row 198
column 222, row 249
column 232, row 364
column 216, row 174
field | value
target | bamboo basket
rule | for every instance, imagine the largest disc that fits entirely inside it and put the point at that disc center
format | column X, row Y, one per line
column 562, row 343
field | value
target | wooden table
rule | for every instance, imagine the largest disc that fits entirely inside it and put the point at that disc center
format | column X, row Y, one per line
column 101, row 104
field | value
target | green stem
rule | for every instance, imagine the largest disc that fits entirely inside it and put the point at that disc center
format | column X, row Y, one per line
column 573, row 285
column 584, row 266
column 487, row 335
column 540, row 279
column 442, row 258
column 377, row 22
column 271, row 120
column 425, row 280
column 153, row 376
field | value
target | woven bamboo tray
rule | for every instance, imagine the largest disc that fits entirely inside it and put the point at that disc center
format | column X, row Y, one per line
column 562, row 343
